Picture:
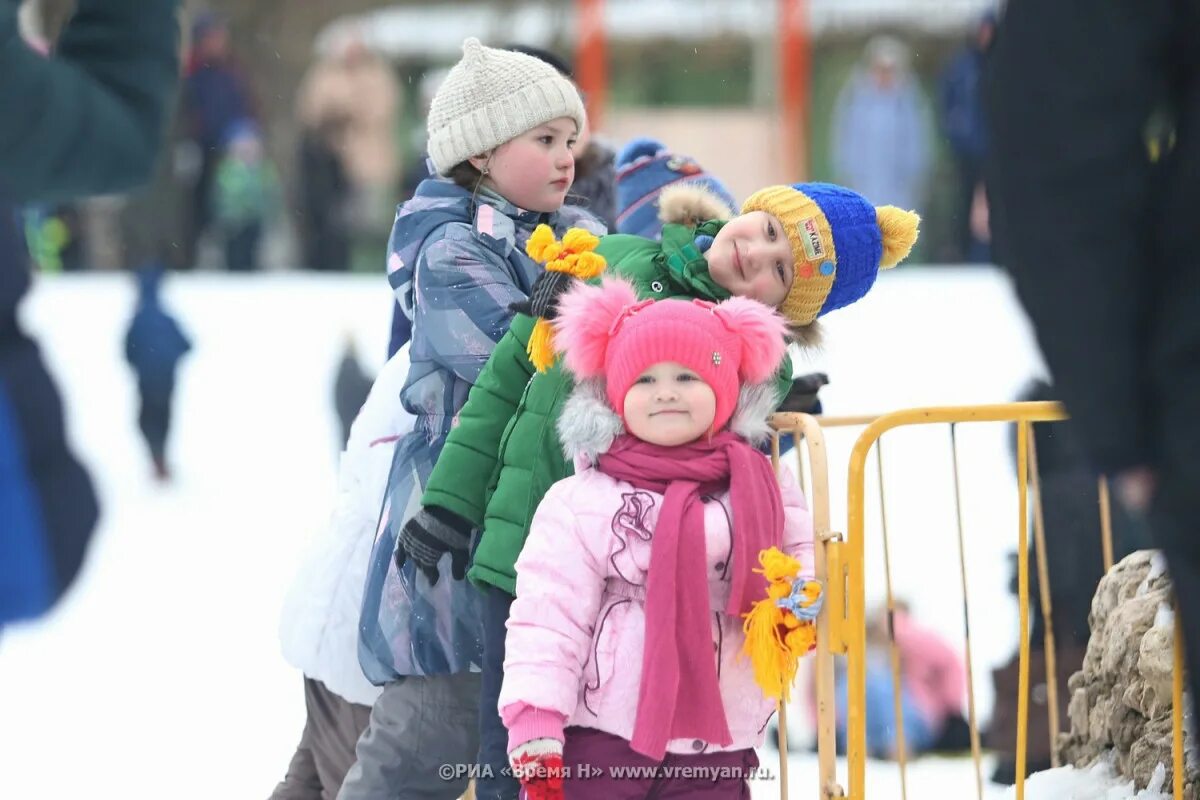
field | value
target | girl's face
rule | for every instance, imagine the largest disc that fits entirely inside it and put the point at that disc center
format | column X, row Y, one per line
column 669, row 405
column 534, row 170
column 752, row 257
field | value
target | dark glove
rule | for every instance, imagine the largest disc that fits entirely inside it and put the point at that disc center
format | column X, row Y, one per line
column 802, row 397
column 428, row 535
column 543, row 299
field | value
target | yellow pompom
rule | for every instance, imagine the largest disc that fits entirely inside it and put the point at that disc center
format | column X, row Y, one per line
column 778, row 565
column 541, row 346
column 541, row 239
column 777, row 590
column 801, row 639
column 589, row 266
column 578, row 240
column 899, row 230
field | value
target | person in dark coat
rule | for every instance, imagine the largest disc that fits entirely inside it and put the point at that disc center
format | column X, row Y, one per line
column 961, row 118
column 1100, row 238
column 215, row 97
column 350, row 389
column 324, row 200
column 1075, row 563
column 153, row 347
column 111, row 75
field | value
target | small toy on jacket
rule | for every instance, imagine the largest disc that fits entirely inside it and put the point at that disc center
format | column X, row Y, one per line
column 626, row 637
column 780, row 628
column 575, row 257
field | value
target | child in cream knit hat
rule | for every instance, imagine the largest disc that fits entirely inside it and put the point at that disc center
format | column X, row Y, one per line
column 502, row 128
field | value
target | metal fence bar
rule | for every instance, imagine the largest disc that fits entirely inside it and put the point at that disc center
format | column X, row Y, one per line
column 893, row 650
column 972, row 718
column 1043, row 567
column 830, row 624
column 1106, row 540
column 854, row 557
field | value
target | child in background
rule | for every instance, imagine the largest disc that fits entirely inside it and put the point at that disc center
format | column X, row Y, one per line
column 501, row 133
column 154, row 344
column 625, row 640
column 645, row 169
column 246, row 196
column 806, row 249
column 933, row 689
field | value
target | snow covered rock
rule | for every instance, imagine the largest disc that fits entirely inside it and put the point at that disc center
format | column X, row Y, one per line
column 1120, row 706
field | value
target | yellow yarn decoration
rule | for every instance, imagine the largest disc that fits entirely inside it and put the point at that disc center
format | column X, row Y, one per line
column 776, row 639
column 575, row 256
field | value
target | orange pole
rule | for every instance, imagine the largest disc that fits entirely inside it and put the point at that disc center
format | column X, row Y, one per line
column 591, row 60
column 795, row 66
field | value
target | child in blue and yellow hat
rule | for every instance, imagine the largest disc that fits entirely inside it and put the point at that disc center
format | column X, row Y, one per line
column 839, row 243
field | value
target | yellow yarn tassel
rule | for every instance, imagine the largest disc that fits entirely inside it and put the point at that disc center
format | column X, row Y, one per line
column 776, row 639
column 541, row 346
column 575, row 256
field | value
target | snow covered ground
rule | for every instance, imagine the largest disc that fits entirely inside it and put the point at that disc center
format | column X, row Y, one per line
column 160, row 674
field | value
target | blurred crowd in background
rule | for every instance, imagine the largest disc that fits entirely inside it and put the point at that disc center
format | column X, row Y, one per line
column 297, row 130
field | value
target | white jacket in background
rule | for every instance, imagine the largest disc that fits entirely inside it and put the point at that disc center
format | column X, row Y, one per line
column 319, row 624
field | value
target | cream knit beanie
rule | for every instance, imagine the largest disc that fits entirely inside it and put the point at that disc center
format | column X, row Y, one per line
column 491, row 96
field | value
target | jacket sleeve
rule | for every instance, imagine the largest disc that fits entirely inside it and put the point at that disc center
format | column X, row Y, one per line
column 560, row 583
column 463, row 473
column 463, row 290
column 92, row 115
column 797, row 523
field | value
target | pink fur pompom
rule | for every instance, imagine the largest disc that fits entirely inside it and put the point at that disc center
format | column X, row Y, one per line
column 762, row 333
column 585, row 320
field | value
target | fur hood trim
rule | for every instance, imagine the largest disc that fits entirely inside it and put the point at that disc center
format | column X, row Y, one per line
column 587, row 425
column 689, row 204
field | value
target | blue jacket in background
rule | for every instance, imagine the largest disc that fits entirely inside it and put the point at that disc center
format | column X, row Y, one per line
column 962, row 105
column 881, row 140
column 154, row 343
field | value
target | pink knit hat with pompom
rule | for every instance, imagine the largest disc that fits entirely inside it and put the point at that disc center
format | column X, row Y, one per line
column 605, row 331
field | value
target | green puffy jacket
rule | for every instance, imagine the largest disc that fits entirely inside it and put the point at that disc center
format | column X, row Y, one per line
column 504, row 453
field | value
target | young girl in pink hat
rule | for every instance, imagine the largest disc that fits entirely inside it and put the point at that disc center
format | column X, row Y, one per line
column 625, row 640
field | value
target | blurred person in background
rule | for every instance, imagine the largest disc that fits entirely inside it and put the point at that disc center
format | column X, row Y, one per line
column 350, row 388
column 933, row 689
column 215, row 97
column 881, row 133
column 351, row 96
column 154, row 344
column 1099, row 234
column 246, row 196
column 324, row 200
column 92, row 118
column 961, row 108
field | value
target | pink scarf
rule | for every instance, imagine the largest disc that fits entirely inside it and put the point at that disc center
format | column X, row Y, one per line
column 680, row 697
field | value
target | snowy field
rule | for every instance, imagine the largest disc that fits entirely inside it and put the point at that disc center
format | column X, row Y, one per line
column 160, row 674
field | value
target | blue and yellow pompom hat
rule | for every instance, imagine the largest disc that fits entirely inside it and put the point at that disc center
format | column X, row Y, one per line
column 839, row 242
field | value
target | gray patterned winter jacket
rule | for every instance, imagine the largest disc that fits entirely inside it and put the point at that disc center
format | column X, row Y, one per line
column 455, row 263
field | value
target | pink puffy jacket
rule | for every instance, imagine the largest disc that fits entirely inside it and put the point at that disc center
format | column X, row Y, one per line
column 576, row 629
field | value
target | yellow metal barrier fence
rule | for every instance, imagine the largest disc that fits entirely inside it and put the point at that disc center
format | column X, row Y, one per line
column 841, row 628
